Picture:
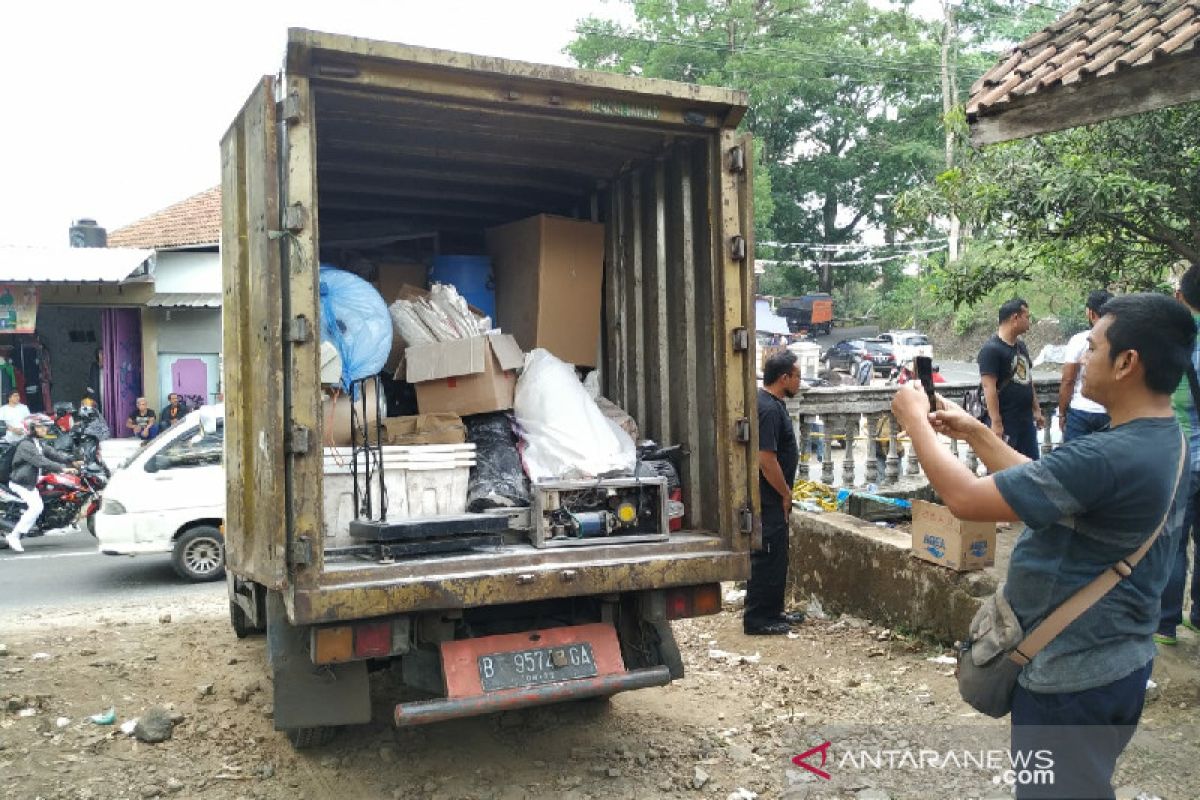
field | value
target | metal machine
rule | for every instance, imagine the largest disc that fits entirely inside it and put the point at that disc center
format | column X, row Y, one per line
column 581, row 512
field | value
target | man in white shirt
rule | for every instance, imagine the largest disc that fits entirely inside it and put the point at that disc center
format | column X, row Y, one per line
column 12, row 416
column 1077, row 415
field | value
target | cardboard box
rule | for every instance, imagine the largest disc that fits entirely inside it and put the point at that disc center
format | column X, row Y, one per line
column 464, row 376
column 940, row 537
column 425, row 429
column 391, row 280
column 549, row 271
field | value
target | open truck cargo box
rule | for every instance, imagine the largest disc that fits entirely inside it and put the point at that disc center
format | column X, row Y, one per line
column 361, row 141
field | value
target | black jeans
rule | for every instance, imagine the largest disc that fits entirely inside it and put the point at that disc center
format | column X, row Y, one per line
column 1082, row 733
column 768, row 567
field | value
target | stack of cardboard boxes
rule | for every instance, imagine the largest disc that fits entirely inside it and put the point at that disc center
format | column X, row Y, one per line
column 548, row 275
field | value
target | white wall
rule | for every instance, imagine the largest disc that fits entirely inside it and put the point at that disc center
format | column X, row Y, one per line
column 188, row 330
column 182, row 272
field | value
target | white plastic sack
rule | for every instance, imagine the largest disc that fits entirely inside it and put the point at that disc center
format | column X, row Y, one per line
column 565, row 434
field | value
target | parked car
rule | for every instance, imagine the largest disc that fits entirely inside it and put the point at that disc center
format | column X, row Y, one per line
column 170, row 498
column 907, row 345
column 845, row 353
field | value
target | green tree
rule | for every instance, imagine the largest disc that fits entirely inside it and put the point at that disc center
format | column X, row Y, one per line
column 844, row 103
column 1115, row 204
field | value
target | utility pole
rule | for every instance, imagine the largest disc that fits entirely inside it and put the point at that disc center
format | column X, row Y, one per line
column 949, row 102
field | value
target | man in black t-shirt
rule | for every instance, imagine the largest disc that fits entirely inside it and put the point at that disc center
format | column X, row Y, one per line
column 174, row 412
column 778, row 457
column 1006, row 374
column 142, row 421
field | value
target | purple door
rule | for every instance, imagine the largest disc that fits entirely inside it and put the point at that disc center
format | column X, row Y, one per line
column 121, row 330
column 189, row 379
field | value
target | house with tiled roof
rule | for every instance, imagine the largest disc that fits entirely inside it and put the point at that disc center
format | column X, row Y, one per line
column 1102, row 59
column 181, row 319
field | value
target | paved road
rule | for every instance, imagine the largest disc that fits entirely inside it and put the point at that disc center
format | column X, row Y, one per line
column 60, row 571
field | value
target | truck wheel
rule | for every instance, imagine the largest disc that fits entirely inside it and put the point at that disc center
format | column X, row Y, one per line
column 306, row 738
column 199, row 554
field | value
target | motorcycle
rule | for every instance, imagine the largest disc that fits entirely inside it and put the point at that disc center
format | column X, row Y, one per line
column 66, row 497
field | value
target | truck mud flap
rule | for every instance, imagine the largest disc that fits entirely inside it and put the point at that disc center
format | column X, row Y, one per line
column 428, row 711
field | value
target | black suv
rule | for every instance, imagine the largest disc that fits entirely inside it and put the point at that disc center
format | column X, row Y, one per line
column 843, row 355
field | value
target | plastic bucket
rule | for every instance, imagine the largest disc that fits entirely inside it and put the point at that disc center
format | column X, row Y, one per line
column 471, row 276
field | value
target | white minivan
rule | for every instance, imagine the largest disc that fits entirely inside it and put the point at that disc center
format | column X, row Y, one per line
column 169, row 497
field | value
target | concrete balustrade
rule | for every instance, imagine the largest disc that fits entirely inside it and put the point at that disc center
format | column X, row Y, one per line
column 869, row 449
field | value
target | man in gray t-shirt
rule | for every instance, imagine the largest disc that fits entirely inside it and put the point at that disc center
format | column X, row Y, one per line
column 1086, row 506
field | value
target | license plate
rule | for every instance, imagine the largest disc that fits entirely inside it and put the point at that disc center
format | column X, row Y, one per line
column 540, row 665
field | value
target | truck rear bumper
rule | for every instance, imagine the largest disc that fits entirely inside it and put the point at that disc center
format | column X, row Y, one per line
column 519, row 575
column 427, row 711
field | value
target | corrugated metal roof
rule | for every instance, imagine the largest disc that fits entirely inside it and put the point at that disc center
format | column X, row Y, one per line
column 70, row 264
column 189, row 300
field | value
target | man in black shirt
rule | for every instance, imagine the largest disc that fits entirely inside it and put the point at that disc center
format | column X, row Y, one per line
column 778, row 457
column 1006, row 374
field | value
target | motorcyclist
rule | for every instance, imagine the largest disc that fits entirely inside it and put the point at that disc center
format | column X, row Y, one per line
column 30, row 459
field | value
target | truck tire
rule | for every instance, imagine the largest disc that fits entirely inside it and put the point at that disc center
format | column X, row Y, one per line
column 307, row 738
column 243, row 624
column 199, row 554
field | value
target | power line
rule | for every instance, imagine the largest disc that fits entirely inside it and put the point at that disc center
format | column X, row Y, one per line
column 857, row 263
column 825, row 246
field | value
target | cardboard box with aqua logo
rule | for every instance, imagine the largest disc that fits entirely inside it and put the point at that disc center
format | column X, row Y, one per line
column 941, row 537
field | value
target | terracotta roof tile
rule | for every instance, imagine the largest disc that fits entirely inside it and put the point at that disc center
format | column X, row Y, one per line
column 1095, row 38
column 194, row 221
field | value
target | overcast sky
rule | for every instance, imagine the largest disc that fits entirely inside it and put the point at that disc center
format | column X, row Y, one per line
column 114, row 110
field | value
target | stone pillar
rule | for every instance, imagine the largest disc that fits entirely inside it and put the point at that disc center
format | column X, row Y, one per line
column 872, row 468
column 804, row 428
column 851, row 427
column 892, row 468
column 1047, row 442
column 827, row 440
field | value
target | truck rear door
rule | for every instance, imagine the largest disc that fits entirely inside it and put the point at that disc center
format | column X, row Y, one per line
column 256, row 515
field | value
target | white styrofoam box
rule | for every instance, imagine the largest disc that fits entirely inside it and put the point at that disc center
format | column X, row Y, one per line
column 418, row 482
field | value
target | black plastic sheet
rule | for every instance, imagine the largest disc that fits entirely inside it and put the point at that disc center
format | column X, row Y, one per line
column 497, row 480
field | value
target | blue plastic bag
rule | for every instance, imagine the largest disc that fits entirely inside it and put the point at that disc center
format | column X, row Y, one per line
column 355, row 319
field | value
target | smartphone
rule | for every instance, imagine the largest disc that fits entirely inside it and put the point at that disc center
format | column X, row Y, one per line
column 924, row 365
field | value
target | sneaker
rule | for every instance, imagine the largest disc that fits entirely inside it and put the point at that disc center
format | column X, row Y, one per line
column 14, row 542
column 792, row 617
column 769, row 629
column 1191, row 626
column 1170, row 641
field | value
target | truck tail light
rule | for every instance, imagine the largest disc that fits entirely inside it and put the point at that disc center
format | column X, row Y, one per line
column 694, row 601
column 332, row 645
column 377, row 638
column 373, row 640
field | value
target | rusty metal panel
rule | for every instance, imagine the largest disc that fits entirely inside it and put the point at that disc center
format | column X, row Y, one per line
column 355, row 595
column 656, row 291
column 630, row 231
column 253, row 381
column 736, row 469
column 745, row 186
column 304, row 471
column 630, row 102
column 683, row 330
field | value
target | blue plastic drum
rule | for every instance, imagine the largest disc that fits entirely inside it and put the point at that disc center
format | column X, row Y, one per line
column 471, row 276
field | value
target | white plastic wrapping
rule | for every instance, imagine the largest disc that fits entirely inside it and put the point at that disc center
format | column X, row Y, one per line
column 565, row 434
column 441, row 317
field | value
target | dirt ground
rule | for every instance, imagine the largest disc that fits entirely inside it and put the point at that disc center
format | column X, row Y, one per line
column 728, row 730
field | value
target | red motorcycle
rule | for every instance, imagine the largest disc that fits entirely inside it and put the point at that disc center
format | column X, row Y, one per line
column 66, row 497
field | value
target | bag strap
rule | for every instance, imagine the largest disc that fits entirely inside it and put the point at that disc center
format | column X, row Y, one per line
column 1091, row 594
